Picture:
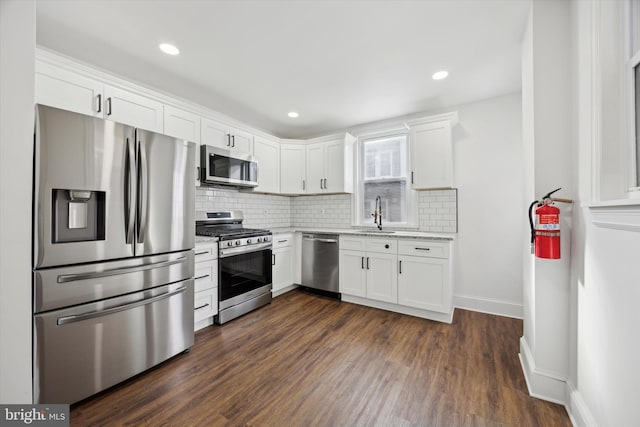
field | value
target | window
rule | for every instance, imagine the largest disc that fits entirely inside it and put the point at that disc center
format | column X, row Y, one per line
column 633, row 65
column 384, row 172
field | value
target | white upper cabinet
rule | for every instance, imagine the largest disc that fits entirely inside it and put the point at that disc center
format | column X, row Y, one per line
column 330, row 166
column 57, row 87
column 132, row 109
column 219, row 135
column 61, row 88
column 182, row 124
column 267, row 153
column 431, row 155
column 292, row 169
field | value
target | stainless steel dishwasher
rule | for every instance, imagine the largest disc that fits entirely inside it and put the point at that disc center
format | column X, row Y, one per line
column 320, row 262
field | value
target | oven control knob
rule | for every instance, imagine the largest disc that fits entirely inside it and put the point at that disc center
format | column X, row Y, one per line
column 248, row 241
column 259, row 239
column 267, row 238
column 237, row 242
column 229, row 243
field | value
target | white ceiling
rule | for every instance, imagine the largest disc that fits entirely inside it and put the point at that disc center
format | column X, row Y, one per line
column 338, row 63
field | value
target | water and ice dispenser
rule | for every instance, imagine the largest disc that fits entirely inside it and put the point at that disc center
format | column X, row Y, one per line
column 78, row 215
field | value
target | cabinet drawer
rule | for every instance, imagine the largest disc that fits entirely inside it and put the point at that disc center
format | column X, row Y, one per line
column 206, row 251
column 352, row 243
column 423, row 248
column 205, row 304
column 385, row 246
column 206, row 275
column 282, row 240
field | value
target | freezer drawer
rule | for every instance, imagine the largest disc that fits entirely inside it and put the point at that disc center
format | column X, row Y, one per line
column 65, row 286
column 82, row 350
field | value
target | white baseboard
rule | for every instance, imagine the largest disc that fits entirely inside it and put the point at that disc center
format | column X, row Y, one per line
column 489, row 306
column 577, row 408
column 541, row 384
column 425, row 314
column 283, row 290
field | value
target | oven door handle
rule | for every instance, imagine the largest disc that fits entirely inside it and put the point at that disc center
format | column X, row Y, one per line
column 225, row 253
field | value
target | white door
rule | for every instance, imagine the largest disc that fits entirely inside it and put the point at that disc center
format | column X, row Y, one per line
column 267, row 153
column 292, row 169
column 423, row 283
column 215, row 134
column 335, row 167
column 282, row 268
column 315, row 168
column 241, row 141
column 382, row 277
column 131, row 109
column 432, row 156
column 352, row 274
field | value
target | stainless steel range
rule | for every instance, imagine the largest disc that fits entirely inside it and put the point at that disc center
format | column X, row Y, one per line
column 244, row 263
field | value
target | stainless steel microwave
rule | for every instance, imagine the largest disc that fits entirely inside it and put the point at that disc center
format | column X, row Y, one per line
column 220, row 166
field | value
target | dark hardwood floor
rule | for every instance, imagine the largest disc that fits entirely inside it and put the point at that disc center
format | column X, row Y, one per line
column 307, row 360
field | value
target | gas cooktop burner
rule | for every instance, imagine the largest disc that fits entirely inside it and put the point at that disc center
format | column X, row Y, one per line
column 226, row 225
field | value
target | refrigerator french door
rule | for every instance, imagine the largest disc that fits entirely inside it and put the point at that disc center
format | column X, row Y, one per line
column 113, row 230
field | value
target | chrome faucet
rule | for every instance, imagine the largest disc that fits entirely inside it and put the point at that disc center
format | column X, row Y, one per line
column 377, row 213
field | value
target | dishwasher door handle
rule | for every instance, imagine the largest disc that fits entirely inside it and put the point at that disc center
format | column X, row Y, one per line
column 320, row 240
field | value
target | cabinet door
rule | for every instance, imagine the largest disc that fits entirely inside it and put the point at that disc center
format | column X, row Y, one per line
column 267, row 153
column 424, row 283
column 132, row 109
column 181, row 124
column 282, row 267
column 382, row 277
column 352, row 273
column 292, row 169
column 241, row 141
column 335, row 167
column 215, row 134
column 60, row 88
column 315, row 168
column 432, row 156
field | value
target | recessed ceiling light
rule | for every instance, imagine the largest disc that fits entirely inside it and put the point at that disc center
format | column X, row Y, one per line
column 293, row 114
column 169, row 49
column 440, row 75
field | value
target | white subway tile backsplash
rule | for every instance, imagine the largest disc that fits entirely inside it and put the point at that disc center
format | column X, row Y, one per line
column 437, row 209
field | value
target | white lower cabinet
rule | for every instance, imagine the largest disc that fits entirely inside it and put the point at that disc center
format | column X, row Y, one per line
column 410, row 276
column 283, row 258
column 205, row 284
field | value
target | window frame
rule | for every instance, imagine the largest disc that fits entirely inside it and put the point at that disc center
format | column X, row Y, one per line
column 632, row 36
column 358, row 219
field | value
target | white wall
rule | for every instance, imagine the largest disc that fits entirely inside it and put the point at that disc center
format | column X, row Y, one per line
column 17, row 53
column 488, row 175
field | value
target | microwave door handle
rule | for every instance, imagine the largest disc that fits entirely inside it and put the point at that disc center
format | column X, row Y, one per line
column 143, row 191
column 130, row 189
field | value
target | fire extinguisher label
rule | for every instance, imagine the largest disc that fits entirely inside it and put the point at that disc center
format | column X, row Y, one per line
column 548, row 222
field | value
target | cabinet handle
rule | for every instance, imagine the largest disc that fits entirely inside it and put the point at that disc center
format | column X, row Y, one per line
column 228, row 140
column 422, row 249
column 108, row 106
column 368, row 263
column 201, row 277
column 400, row 267
column 233, row 140
column 99, row 108
column 303, row 184
column 325, row 183
column 362, row 263
column 283, row 241
column 202, row 253
column 321, row 187
column 202, row 306
column 412, row 177
column 273, row 259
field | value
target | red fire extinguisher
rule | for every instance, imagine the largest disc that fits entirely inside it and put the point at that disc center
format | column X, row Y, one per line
column 545, row 233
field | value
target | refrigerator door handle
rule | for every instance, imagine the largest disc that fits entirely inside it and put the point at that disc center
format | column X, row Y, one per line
column 130, row 188
column 99, row 313
column 66, row 278
column 142, row 190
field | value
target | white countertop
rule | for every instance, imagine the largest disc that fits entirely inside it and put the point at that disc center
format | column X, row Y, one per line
column 359, row 232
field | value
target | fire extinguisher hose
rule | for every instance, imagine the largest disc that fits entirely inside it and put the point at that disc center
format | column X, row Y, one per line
column 533, row 230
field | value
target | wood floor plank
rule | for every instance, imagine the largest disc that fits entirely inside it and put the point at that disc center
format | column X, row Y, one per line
column 306, row 360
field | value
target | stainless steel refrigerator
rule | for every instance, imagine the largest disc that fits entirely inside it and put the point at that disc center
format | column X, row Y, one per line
column 113, row 238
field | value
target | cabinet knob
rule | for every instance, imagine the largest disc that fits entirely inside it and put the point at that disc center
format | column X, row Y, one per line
column 386, row 246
